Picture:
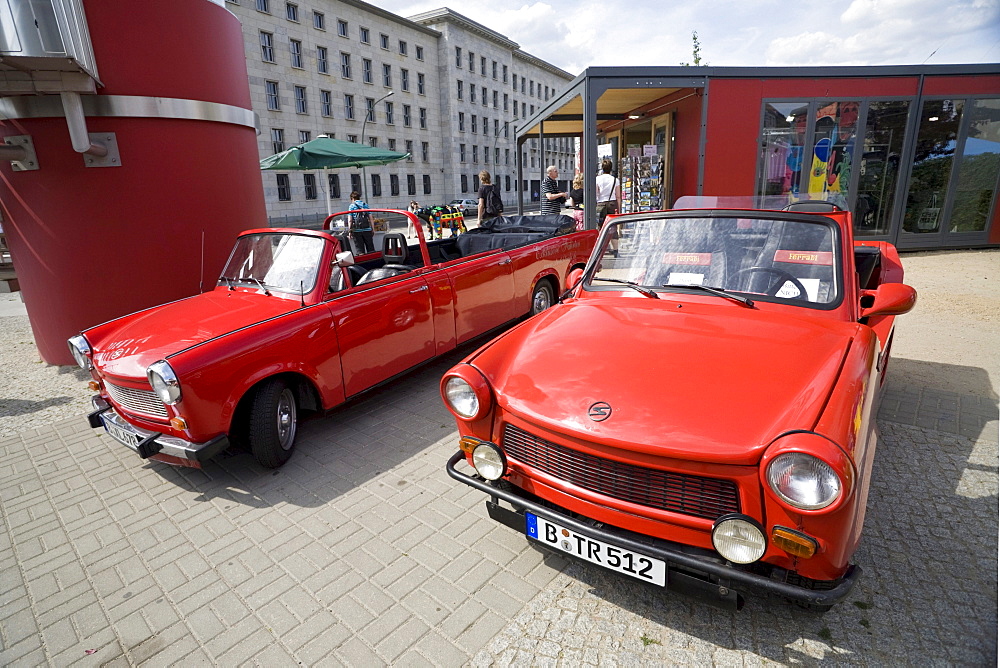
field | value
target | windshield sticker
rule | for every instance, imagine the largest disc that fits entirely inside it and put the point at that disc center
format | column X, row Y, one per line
column 789, row 291
column 682, row 278
column 804, row 257
column 687, row 258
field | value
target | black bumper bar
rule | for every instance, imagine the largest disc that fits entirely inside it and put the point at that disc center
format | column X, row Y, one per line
column 672, row 553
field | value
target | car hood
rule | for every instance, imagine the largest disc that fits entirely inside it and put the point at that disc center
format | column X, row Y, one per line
column 714, row 383
column 125, row 347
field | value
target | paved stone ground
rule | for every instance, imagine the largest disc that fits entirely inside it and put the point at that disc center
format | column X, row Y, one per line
column 361, row 551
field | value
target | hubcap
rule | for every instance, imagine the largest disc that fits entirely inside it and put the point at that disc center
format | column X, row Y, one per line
column 542, row 300
column 286, row 419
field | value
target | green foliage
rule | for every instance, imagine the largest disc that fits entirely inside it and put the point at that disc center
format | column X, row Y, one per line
column 695, row 51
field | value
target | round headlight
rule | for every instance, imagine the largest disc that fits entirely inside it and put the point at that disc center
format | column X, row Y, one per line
column 80, row 350
column 461, row 397
column 164, row 382
column 489, row 461
column 803, row 481
column 739, row 539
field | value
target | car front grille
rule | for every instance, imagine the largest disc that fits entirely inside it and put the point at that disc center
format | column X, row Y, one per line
column 683, row 493
column 140, row 401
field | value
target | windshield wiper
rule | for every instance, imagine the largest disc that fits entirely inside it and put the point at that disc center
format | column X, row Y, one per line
column 715, row 291
column 229, row 282
column 635, row 286
column 255, row 280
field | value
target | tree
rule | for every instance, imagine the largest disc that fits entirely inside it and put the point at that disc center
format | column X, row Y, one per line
column 695, row 51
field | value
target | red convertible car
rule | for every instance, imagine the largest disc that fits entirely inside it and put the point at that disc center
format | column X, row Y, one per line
column 295, row 325
column 699, row 410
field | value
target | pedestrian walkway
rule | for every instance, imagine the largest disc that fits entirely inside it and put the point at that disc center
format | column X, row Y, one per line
column 362, row 551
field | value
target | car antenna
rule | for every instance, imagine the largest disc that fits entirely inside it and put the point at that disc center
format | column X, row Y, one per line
column 302, row 294
column 201, row 273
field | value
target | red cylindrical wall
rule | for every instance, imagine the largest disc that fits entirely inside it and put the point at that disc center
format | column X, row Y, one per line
column 91, row 244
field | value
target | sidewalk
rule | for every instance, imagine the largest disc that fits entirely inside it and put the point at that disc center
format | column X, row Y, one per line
column 361, row 551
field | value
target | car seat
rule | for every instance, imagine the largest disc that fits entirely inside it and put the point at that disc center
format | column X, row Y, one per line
column 802, row 253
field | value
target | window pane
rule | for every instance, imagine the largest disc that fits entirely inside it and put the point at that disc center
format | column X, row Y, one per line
column 781, row 142
column 932, row 162
column 978, row 168
column 878, row 164
column 833, row 144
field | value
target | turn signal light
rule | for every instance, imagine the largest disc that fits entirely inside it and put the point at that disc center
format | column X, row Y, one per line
column 94, row 386
column 178, row 423
column 793, row 542
column 467, row 444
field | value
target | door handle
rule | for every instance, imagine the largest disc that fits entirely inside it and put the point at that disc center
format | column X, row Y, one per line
column 416, row 290
column 503, row 262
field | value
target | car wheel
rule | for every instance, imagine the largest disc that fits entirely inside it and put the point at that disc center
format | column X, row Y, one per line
column 273, row 423
column 541, row 297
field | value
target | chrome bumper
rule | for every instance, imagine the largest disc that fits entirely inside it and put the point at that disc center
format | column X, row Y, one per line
column 150, row 443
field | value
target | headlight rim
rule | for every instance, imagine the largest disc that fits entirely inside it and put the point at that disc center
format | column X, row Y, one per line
column 746, row 519
column 495, row 448
column 83, row 356
column 793, row 503
column 480, row 388
column 171, row 384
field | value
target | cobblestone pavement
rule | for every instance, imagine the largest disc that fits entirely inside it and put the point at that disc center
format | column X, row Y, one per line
column 361, row 551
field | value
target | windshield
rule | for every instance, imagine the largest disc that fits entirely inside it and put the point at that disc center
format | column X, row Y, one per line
column 283, row 262
column 773, row 258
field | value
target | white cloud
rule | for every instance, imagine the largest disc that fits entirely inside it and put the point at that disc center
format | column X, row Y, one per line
column 576, row 35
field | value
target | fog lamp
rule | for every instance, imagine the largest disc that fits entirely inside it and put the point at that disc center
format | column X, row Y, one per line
column 94, row 386
column 793, row 542
column 739, row 539
column 178, row 423
column 489, row 461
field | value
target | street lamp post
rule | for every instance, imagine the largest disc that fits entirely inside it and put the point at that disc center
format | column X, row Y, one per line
column 364, row 177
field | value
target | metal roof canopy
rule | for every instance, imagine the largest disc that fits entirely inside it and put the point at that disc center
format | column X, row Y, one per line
column 610, row 93
column 599, row 94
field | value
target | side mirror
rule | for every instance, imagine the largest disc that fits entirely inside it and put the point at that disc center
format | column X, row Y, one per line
column 888, row 299
column 344, row 259
column 574, row 278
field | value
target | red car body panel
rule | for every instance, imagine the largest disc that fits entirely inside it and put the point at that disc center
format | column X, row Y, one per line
column 702, row 387
column 224, row 342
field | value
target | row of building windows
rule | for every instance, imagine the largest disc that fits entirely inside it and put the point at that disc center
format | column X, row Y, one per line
column 528, row 86
column 484, row 95
column 343, row 28
column 346, row 71
column 474, row 125
column 278, row 142
column 475, row 183
column 284, row 184
column 273, row 103
column 463, row 154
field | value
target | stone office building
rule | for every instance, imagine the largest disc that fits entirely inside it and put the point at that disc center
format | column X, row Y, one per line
column 439, row 86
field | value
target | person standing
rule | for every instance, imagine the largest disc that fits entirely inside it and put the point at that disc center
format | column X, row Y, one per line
column 490, row 203
column 361, row 225
column 410, row 226
column 576, row 200
column 552, row 198
column 609, row 195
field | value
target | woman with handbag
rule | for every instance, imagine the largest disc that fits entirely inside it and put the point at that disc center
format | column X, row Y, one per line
column 609, row 197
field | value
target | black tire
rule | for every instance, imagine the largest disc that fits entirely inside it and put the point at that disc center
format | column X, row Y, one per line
column 273, row 423
column 542, row 297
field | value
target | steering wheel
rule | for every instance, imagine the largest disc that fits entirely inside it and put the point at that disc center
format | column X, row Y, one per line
column 772, row 291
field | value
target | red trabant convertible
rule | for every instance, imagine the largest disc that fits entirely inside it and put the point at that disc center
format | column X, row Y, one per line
column 295, row 324
column 699, row 413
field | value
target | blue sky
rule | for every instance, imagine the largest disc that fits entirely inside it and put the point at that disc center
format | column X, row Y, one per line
column 578, row 34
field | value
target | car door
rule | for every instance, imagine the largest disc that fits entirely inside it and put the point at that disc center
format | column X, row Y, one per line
column 383, row 328
column 484, row 294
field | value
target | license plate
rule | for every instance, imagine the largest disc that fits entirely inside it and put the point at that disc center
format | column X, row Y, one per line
column 612, row 557
column 123, row 436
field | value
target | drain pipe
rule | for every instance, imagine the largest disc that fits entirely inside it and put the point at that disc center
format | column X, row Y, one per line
column 77, row 123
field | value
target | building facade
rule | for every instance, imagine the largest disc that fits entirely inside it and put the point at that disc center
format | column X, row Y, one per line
column 912, row 151
column 439, row 86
